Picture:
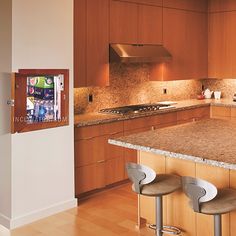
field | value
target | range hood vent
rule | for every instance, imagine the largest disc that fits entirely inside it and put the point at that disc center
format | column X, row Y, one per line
column 134, row 53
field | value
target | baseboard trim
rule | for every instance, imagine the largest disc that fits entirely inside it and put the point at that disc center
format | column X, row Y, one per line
column 5, row 221
column 42, row 213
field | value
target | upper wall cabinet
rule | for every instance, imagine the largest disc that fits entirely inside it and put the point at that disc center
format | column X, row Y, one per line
column 185, row 37
column 222, row 37
column 135, row 23
column 91, row 43
column 123, row 22
column 150, row 25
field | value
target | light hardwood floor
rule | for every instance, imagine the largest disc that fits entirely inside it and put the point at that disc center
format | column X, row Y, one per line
column 110, row 213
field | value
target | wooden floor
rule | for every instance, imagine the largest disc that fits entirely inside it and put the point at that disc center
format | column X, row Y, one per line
column 111, row 213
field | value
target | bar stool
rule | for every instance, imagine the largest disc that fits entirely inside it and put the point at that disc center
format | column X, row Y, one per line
column 146, row 182
column 206, row 199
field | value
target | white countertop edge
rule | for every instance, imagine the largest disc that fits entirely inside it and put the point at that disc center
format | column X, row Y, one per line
column 173, row 155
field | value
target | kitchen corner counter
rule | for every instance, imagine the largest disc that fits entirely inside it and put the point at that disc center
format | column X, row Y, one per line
column 210, row 141
column 96, row 118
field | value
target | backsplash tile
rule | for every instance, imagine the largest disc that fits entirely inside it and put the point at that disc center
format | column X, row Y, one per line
column 226, row 86
column 129, row 84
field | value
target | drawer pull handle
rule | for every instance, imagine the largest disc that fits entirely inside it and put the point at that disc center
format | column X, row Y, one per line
column 101, row 161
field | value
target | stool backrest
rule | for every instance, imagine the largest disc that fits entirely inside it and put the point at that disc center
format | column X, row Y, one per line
column 198, row 191
column 140, row 175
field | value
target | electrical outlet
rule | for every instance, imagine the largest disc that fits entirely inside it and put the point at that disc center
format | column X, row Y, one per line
column 164, row 91
column 90, row 97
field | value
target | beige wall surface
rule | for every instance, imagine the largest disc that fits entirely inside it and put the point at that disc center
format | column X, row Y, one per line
column 42, row 161
column 5, row 137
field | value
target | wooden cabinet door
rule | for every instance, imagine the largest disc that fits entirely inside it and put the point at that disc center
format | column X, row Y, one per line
column 91, row 43
column 221, row 43
column 97, row 42
column 80, row 38
column 185, row 36
column 150, row 25
column 123, row 22
column 115, row 166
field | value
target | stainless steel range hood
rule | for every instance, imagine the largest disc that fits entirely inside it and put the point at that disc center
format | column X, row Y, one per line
column 133, row 53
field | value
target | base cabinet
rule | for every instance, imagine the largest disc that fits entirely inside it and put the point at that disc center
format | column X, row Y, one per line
column 98, row 164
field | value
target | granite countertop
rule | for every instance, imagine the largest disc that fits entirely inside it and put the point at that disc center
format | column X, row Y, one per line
column 96, row 118
column 210, row 141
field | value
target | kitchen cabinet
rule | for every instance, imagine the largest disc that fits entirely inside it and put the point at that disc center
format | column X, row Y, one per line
column 226, row 113
column 222, row 48
column 185, row 37
column 150, row 25
column 97, row 163
column 193, row 114
column 123, row 22
column 91, row 43
column 132, row 23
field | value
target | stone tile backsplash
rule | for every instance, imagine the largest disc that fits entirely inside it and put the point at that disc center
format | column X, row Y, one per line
column 129, row 84
column 226, row 86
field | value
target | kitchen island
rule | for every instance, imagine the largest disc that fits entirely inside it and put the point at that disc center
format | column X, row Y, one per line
column 204, row 149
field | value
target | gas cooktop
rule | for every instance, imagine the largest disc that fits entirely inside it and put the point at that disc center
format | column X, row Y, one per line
column 140, row 108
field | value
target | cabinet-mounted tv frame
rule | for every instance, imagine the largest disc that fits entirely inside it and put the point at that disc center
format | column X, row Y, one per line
column 40, row 99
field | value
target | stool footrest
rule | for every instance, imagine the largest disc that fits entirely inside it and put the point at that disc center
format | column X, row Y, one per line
column 167, row 229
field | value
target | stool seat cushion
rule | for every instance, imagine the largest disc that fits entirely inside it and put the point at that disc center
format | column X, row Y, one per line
column 162, row 185
column 224, row 202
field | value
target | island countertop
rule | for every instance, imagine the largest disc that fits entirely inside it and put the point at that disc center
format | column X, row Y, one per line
column 210, row 141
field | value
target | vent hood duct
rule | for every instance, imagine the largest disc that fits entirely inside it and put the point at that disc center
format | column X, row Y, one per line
column 133, row 53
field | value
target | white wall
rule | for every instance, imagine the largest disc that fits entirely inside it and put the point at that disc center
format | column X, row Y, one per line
column 5, row 137
column 42, row 161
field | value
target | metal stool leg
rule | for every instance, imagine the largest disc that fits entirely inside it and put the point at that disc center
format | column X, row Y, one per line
column 159, row 220
column 217, row 225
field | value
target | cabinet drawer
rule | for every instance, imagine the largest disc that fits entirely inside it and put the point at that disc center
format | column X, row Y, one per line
column 89, row 178
column 196, row 113
column 233, row 112
column 135, row 124
column 112, row 128
column 163, row 118
column 89, row 151
column 221, row 112
column 87, row 132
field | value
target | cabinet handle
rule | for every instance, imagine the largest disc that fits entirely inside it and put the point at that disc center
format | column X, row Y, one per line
column 101, row 161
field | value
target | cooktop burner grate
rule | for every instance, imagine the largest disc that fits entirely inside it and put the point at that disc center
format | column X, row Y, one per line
column 135, row 108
